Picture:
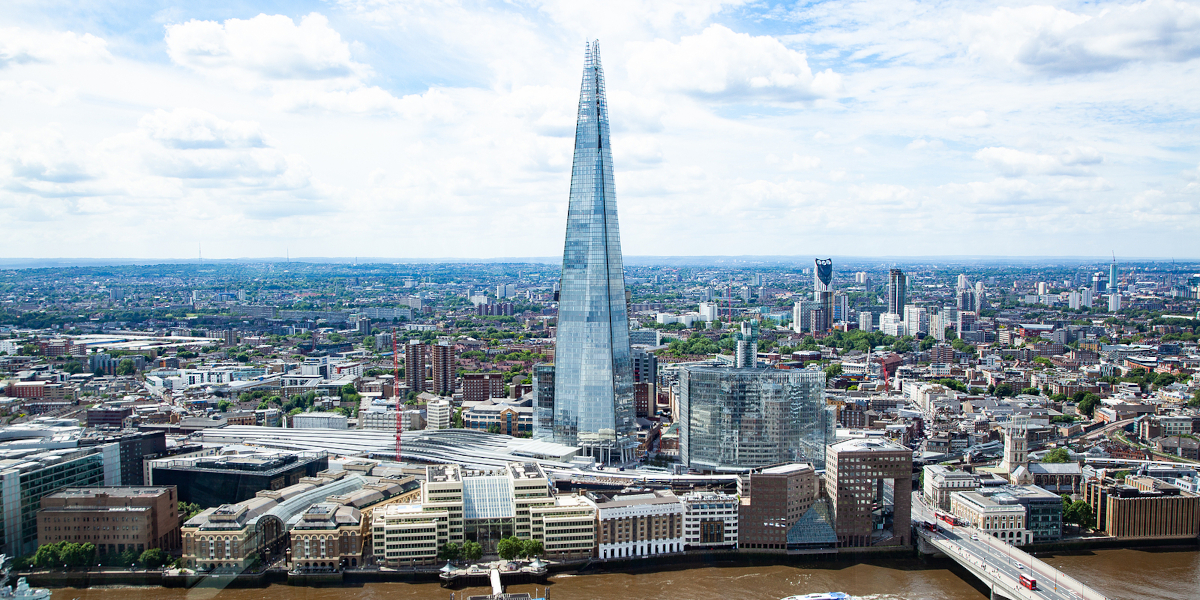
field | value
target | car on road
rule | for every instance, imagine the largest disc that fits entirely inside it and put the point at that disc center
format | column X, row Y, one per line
column 975, row 536
column 1019, row 565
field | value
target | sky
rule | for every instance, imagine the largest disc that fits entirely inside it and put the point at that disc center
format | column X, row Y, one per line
column 426, row 128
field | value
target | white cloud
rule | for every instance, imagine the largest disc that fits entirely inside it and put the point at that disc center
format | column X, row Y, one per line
column 1055, row 40
column 975, row 119
column 722, row 64
column 266, row 46
column 305, row 66
column 22, row 46
column 1013, row 163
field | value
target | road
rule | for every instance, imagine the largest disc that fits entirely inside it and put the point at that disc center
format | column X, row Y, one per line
column 968, row 544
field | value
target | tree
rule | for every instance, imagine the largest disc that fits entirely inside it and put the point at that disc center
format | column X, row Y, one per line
column 1031, row 391
column 1003, row 390
column 833, row 371
column 242, row 357
column 509, row 548
column 223, row 405
column 457, row 419
column 1081, row 514
column 472, row 550
column 126, row 367
column 1088, row 404
column 1195, row 401
column 47, row 556
column 1057, row 455
column 153, row 558
column 188, row 510
column 450, row 551
column 532, row 548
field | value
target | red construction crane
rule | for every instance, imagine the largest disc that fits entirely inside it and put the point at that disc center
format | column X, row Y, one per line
column 396, row 389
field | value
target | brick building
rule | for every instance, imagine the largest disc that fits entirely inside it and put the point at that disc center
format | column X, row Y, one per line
column 776, row 499
column 478, row 387
column 114, row 519
column 869, row 485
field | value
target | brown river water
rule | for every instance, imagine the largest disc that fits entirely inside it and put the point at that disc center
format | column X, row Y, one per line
column 1118, row 574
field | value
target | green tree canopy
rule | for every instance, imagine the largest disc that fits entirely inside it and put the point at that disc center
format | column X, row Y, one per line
column 1057, row 455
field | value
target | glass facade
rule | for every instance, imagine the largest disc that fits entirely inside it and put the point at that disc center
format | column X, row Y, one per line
column 735, row 419
column 543, row 401
column 593, row 388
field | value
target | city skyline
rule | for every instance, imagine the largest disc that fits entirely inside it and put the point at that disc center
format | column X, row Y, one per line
column 265, row 129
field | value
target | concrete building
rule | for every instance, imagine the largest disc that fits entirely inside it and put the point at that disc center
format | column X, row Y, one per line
column 438, row 413
column 319, row 420
column 114, row 518
column 710, row 520
column 869, row 486
column 994, row 516
column 940, row 482
column 639, row 525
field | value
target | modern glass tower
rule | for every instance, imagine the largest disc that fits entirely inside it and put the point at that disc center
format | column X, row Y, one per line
column 593, row 381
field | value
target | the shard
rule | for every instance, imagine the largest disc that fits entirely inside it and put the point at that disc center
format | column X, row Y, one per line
column 593, row 385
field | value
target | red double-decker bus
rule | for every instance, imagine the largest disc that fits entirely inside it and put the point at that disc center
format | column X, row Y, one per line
column 1028, row 582
column 947, row 518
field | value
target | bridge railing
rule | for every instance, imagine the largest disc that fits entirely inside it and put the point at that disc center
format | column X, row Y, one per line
column 1062, row 580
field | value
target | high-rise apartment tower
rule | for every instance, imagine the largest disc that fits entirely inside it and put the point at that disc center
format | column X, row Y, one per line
column 897, row 291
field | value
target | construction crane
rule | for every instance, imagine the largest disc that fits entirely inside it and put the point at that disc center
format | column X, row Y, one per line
column 396, row 389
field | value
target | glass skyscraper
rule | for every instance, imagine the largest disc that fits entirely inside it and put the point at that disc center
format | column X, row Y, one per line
column 735, row 419
column 593, row 380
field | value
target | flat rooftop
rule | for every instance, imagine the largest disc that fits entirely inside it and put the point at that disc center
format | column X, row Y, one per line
column 122, row 491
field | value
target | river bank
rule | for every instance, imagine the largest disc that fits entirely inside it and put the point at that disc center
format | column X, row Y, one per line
column 1124, row 574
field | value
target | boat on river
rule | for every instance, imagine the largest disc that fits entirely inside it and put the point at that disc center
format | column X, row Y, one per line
column 24, row 592
column 821, row 596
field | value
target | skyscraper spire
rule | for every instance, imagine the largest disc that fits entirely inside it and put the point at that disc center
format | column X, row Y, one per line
column 593, row 385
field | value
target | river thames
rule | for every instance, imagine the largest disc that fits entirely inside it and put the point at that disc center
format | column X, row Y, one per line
column 1119, row 574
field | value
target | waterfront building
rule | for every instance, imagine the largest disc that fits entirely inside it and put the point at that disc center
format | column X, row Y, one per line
column 593, row 395
column 230, row 537
column 997, row 516
column 518, row 500
column 869, row 486
column 113, row 518
column 327, row 536
column 639, row 525
column 777, row 498
column 1143, row 507
column 408, row 534
column 710, row 520
column 27, row 476
column 940, row 481
column 735, row 419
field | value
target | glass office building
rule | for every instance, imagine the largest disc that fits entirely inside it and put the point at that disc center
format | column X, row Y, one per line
column 736, row 419
column 593, row 387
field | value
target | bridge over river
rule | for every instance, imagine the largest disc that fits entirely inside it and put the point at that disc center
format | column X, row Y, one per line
column 997, row 564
